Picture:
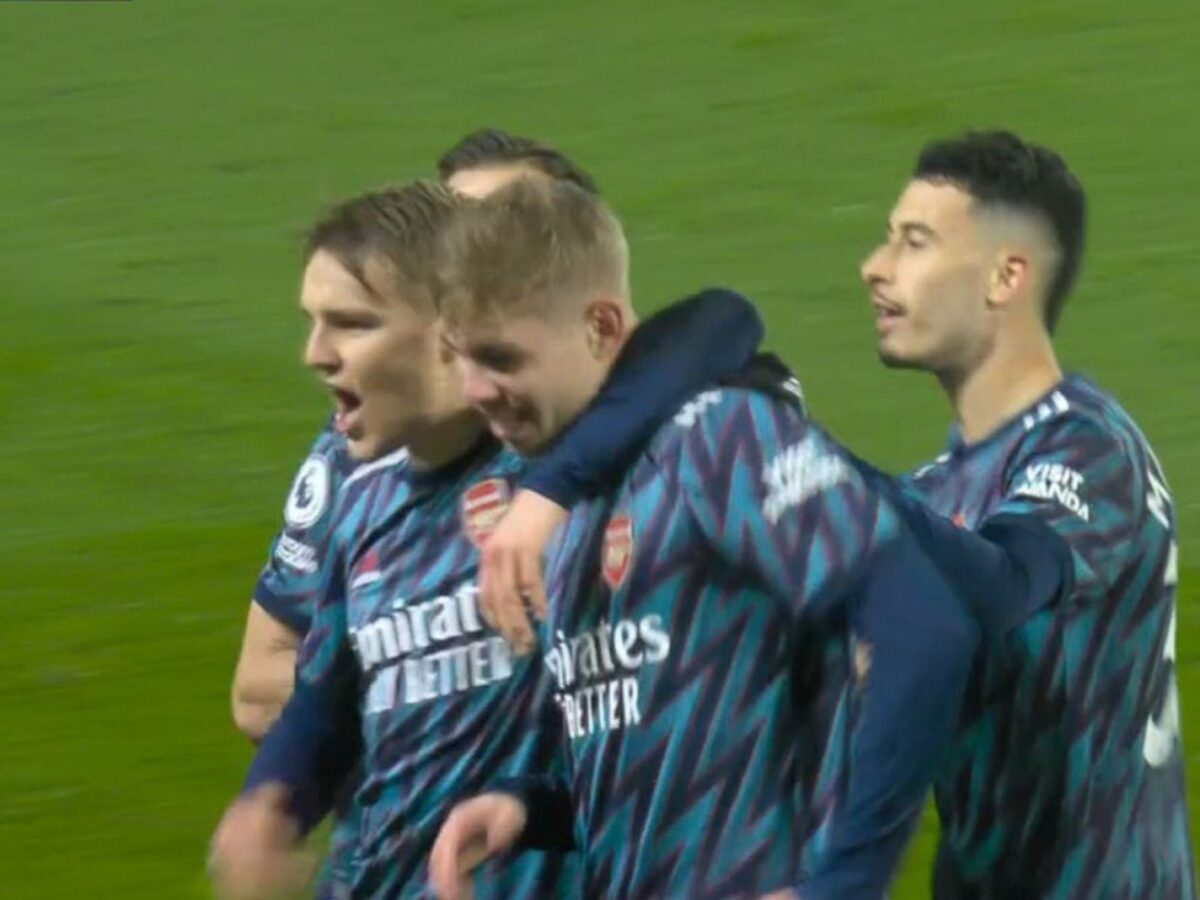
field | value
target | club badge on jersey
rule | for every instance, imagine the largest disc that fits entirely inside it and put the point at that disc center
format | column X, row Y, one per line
column 618, row 550
column 483, row 506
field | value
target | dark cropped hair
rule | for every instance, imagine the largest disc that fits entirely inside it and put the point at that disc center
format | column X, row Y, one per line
column 494, row 147
column 999, row 169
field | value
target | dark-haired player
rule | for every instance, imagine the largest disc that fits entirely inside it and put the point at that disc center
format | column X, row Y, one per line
column 1067, row 780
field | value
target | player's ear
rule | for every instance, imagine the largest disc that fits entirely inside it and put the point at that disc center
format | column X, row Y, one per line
column 1009, row 276
column 607, row 322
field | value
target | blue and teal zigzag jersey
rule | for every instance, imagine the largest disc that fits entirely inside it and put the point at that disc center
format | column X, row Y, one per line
column 288, row 582
column 1067, row 780
column 681, row 607
column 444, row 706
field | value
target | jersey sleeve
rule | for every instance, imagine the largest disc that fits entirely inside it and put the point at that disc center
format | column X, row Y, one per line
column 1077, row 479
column 669, row 357
column 287, row 585
column 778, row 497
column 316, row 742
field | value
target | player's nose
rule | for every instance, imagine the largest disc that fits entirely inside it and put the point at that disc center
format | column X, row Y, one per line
column 319, row 352
column 478, row 388
column 875, row 268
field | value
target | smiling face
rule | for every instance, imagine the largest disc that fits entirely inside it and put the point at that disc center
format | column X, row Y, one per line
column 536, row 294
column 380, row 356
column 530, row 376
column 930, row 281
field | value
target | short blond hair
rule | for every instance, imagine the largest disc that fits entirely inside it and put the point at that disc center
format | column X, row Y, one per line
column 536, row 247
column 388, row 239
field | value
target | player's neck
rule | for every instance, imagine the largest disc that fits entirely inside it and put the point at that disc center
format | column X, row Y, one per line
column 1011, row 378
column 442, row 443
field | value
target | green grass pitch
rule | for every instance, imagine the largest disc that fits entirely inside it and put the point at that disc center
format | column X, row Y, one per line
column 158, row 161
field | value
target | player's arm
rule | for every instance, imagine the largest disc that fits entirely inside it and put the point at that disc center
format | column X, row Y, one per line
column 777, row 497
column 914, row 646
column 265, row 672
column 668, row 358
column 1075, row 479
column 302, row 761
column 284, row 597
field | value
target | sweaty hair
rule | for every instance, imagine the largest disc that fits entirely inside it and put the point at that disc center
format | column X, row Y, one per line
column 535, row 247
column 494, row 147
column 1001, row 170
column 396, row 229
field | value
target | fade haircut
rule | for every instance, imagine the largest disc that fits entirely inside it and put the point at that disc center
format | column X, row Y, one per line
column 1000, row 170
column 493, row 147
column 534, row 248
column 387, row 240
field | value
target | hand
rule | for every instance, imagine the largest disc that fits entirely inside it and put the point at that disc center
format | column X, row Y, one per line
column 476, row 830
column 255, row 852
column 510, row 581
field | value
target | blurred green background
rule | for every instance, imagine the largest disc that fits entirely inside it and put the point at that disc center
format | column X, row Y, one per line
column 158, row 162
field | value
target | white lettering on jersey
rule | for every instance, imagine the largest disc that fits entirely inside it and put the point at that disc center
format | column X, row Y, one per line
column 687, row 416
column 1054, row 481
column 309, row 497
column 405, row 657
column 1162, row 730
column 596, row 672
column 298, row 555
column 1158, row 500
column 799, row 472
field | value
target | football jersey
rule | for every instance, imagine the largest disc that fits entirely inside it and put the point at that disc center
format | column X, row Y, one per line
column 444, row 706
column 683, row 603
column 1067, row 778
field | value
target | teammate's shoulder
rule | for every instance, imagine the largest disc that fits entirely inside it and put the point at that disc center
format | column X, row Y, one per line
column 712, row 413
column 317, row 480
column 1080, row 412
column 1081, row 430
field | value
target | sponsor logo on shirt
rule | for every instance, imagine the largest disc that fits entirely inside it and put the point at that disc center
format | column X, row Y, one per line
column 418, row 651
column 1058, row 483
column 798, row 473
column 618, row 551
column 298, row 555
column 596, row 672
column 309, row 496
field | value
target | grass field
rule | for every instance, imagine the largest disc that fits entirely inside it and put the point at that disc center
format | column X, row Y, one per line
column 158, row 161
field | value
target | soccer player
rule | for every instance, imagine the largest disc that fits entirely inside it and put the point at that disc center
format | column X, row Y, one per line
column 1067, row 778
column 680, row 598
column 281, row 610
column 398, row 669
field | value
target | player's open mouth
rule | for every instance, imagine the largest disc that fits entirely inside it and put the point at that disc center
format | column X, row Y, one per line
column 886, row 313
column 346, row 405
